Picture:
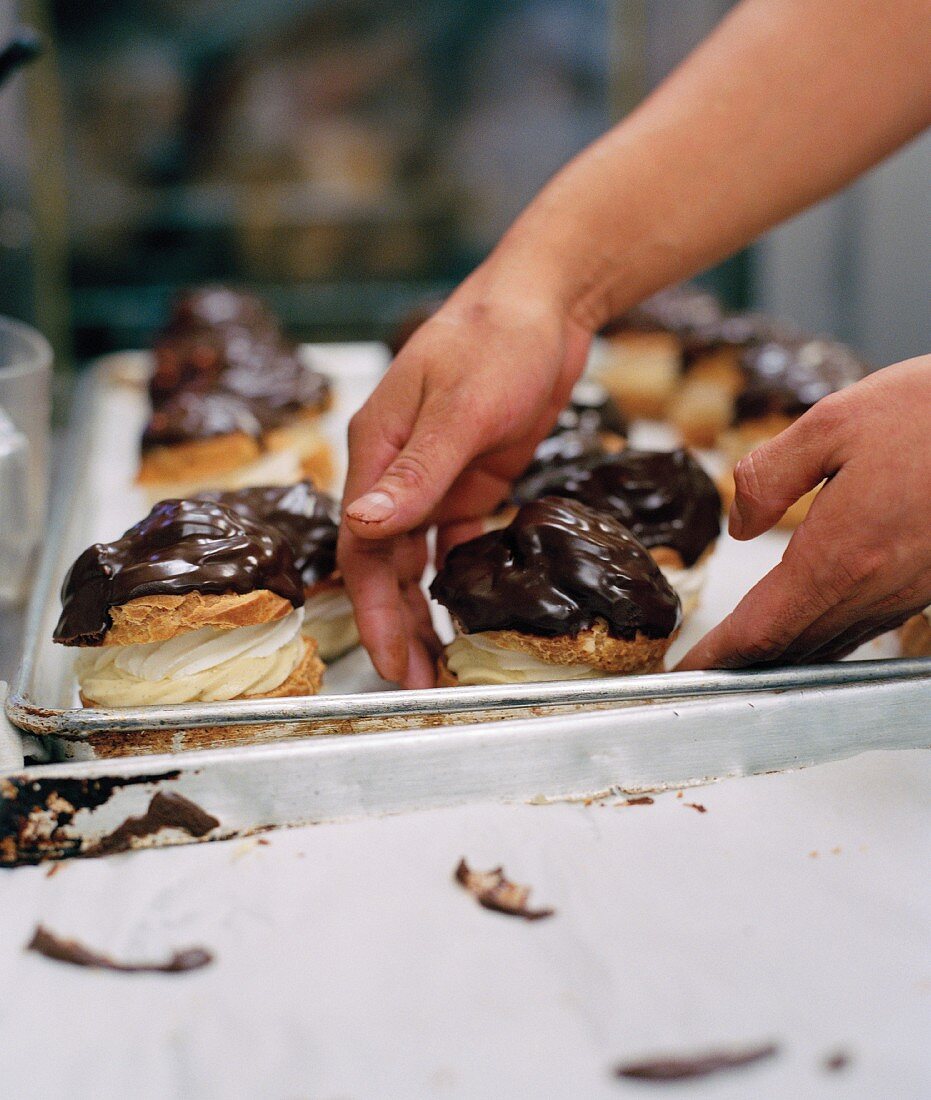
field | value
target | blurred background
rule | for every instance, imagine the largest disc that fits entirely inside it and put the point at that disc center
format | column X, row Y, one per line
column 349, row 157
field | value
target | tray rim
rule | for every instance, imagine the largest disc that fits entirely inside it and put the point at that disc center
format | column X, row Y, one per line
column 76, row 723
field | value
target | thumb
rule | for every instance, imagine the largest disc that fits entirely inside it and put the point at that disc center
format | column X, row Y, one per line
column 774, row 476
column 442, row 442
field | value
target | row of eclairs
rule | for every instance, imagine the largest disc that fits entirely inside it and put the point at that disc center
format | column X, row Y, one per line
column 229, row 588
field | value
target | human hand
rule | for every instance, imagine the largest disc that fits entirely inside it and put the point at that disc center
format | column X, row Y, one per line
column 454, row 421
column 860, row 563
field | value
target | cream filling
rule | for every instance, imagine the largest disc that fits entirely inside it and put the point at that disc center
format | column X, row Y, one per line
column 474, row 659
column 688, row 584
column 329, row 620
column 203, row 665
column 273, row 468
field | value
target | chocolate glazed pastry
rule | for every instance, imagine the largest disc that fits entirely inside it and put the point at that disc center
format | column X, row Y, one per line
column 309, row 520
column 555, row 570
column 182, row 546
column 664, row 497
column 306, row 517
column 786, row 378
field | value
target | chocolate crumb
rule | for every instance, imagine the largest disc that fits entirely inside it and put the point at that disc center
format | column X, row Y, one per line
column 681, row 1069
column 695, row 806
column 166, row 811
column 678, row 794
column 46, row 943
column 493, row 891
column 643, row 800
column 53, row 869
column 263, row 842
column 837, row 1062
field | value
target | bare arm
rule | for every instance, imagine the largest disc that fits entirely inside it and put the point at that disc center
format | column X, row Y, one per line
column 784, row 103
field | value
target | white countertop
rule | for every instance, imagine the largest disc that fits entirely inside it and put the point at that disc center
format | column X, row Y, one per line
column 348, row 964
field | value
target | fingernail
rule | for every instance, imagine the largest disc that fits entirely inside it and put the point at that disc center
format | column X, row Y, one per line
column 374, row 507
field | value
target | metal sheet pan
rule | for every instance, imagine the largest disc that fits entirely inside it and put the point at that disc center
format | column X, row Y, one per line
column 96, row 499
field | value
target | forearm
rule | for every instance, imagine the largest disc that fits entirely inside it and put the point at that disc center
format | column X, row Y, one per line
column 785, row 103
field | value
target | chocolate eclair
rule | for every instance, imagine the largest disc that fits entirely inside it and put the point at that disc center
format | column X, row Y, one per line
column 562, row 592
column 195, row 603
column 309, row 521
column 643, row 351
column 783, row 379
column 664, row 497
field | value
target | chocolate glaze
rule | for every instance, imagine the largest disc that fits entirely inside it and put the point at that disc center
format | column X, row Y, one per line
column 492, row 890
column 46, row 943
column 190, row 416
column 181, row 546
column 664, row 497
column 306, row 517
column 734, row 330
column 584, row 428
column 678, row 309
column 554, row 570
column 787, row 377
column 216, row 305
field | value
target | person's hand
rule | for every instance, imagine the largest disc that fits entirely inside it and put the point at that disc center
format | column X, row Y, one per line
column 860, row 563
column 453, row 422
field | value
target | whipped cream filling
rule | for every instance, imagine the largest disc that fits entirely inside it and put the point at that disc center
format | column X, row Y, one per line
column 475, row 659
column 329, row 620
column 201, row 665
column 688, row 583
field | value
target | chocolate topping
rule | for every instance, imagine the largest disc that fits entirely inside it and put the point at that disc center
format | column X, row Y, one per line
column 787, row 377
column 166, row 810
column 306, row 517
column 215, row 305
column 701, row 1065
column 189, row 416
column 584, row 429
column 678, row 309
column 664, row 497
column 181, row 546
column 554, row 570
column 734, row 330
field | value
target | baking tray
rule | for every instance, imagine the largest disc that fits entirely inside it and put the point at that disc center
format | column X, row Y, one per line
column 97, row 500
column 673, row 728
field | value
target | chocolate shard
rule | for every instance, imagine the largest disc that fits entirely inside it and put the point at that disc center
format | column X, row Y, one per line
column 642, row 800
column 493, row 891
column 167, row 810
column 46, row 943
column 696, row 806
column 702, row 1065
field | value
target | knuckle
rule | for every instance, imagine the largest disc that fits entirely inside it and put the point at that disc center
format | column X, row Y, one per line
column 832, row 413
column 750, row 475
column 411, row 471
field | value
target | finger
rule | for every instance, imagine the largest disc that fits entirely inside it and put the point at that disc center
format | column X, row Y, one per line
column 782, row 606
column 773, row 477
column 372, row 583
column 421, row 663
column 452, row 534
column 850, row 640
column 443, row 440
